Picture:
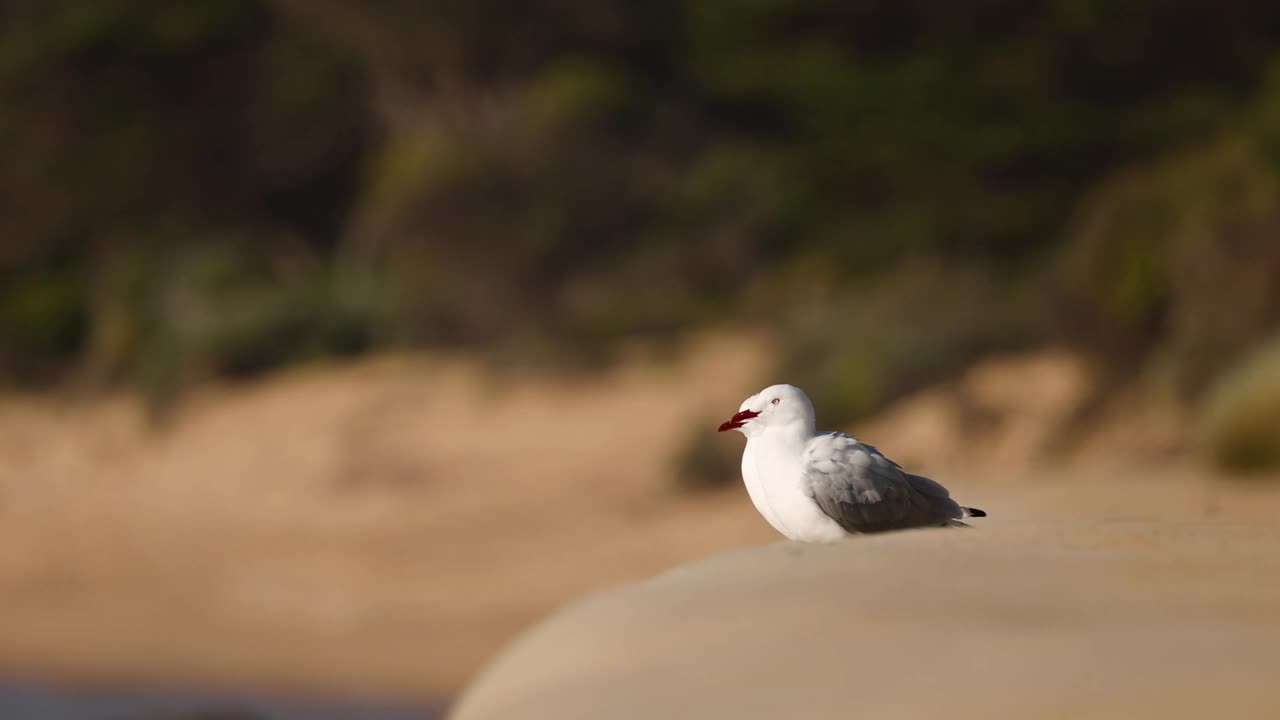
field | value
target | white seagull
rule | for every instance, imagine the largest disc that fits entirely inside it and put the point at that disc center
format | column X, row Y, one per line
column 823, row 487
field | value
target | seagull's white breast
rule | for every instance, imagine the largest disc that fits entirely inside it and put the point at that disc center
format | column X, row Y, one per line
column 775, row 483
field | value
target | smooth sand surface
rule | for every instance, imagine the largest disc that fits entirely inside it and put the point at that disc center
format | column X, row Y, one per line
column 1097, row 619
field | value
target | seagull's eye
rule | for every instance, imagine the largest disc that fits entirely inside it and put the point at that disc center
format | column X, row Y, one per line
column 774, row 401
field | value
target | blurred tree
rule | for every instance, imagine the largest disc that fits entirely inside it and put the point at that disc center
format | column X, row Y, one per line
column 133, row 129
column 210, row 186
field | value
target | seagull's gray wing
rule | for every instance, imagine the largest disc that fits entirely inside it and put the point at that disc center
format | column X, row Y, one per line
column 867, row 492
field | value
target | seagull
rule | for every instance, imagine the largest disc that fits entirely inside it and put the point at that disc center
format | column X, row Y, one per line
column 824, row 487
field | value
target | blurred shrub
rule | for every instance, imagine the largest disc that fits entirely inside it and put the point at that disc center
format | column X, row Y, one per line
column 43, row 319
column 707, row 460
column 860, row 348
column 119, row 118
column 218, row 306
column 225, row 186
column 535, row 232
column 1180, row 257
column 1241, row 417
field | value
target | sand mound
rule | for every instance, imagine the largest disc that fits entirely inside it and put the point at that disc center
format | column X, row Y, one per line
column 1105, row 619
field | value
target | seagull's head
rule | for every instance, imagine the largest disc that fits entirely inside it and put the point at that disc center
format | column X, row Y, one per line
column 776, row 405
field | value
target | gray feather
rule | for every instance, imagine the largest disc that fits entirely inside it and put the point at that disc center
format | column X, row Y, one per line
column 866, row 492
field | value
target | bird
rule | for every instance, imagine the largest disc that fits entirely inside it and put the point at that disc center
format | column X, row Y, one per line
column 823, row 487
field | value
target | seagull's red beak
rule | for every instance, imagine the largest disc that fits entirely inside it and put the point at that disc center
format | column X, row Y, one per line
column 738, row 420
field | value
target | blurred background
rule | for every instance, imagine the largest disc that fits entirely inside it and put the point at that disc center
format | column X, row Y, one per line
column 340, row 341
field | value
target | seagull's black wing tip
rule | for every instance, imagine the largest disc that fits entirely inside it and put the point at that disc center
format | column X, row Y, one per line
column 975, row 512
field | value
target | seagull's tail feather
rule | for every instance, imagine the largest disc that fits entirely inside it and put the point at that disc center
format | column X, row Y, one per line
column 965, row 512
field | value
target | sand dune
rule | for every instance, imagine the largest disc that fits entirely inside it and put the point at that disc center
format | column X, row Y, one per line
column 383, row 526
column 388, row 526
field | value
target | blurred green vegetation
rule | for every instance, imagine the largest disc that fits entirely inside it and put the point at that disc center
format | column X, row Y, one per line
column 1242, row 418
column 208, row 187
